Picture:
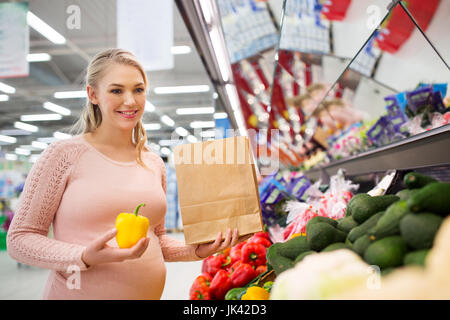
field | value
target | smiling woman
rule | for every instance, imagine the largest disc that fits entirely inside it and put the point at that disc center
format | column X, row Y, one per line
column 81, row 184
column 115, row 101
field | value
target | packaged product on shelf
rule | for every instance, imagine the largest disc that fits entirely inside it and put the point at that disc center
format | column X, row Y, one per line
column 331, row 203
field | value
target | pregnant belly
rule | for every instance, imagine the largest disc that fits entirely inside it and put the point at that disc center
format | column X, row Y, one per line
column 137, row 279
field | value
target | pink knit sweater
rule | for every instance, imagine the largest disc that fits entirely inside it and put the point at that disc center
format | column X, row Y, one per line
column 81, row 191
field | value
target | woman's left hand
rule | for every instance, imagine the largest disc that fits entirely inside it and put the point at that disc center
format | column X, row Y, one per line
column 204, row 250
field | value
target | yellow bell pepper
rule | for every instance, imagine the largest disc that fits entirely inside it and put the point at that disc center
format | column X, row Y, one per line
column 256, row 293
column 131, row 227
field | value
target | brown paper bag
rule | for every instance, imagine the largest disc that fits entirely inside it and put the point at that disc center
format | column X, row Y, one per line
column 217, row 189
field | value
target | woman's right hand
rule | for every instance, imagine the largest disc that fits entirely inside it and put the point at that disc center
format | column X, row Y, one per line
column 98, row 252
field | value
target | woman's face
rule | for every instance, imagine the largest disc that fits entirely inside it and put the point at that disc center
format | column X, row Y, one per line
column 120, row 95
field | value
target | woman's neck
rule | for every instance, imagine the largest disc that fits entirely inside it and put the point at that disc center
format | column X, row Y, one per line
column 112, row 138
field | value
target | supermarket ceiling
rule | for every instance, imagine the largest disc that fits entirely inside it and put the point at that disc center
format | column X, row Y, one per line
column 65, row 71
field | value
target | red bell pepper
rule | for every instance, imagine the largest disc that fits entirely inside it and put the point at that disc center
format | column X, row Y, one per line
column 261, row 240
column 200, row 289
column 262, row 235
column 212, row 264
column 243, row 274
column 254, row 254
column 235, row 252
column 220, row 285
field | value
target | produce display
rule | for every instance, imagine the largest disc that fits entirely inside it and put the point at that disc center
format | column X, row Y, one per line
column 236, row 273
column 388, row 232
column 331, row 241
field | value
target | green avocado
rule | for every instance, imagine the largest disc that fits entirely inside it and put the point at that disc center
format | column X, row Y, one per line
column 419, row 230
column 387, row 252
column 434, row 197
column 322, row 234
column 415, row 180
column 364, row 228
column 346, row 224
column 293, row 247
column 416, row 257
column 388, row 224
column 367, row 207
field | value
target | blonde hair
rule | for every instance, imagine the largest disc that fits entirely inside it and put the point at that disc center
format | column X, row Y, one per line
column 297, row 101
column 91, row 116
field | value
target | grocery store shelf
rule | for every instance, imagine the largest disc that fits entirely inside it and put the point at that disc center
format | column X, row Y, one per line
column 430, row 148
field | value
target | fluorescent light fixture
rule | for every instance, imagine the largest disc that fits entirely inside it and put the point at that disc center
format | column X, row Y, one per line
column 22, row 151
column 47, row 139
column 165, row 151
column 208, row 134
column 207, row 11
column 149, row 107
column 11, row 157
column 221, row 52
column 38, row 57
column 61, row 135
column 152, row 126
column 191, row 139
column 44, row 29
column 181, row 131
column 6, row 89
column 4, row 97
column 25, row 126
column 204, row 110
column 56, row 108
column 166, row 143
column 39, row 145
column 167, row 120
column 70, row 94
column 220, row 115
column 202, row 124
column 7, row 139
column 15, row 132
column 180, row 49
column 40, row 117
column 182, row 89
column 233, row 97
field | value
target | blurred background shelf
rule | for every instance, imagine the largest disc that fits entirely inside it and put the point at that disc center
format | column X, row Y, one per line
column 430, row 148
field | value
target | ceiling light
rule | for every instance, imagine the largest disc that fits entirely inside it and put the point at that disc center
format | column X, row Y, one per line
column 165, row 151
column 180, row 49
column 44, row 29
column 152, row 126
column 204, row 110
column 8, row 139
column 4, row 97
column 15, row 132
column 25, row 126
column 47, row 139
column 70, row 94
column 6, row 89
column 220, row 52
column 181, row 131
column 182, row 89
column 39, row 145
column 202, row 124
column 192, row 139
column 208, row 134
column 220, row 115
column 38, row 57
column 56, row 108
column 232, row 96
column 165, row 143
column 167, row 120
column 149, row 107
column 11, row 157
column 22, row 151
column 40, row 117
column 61, row 135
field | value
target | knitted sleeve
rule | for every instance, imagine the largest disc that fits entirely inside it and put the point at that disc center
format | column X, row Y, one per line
column 172, row 249
column 27, row 239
